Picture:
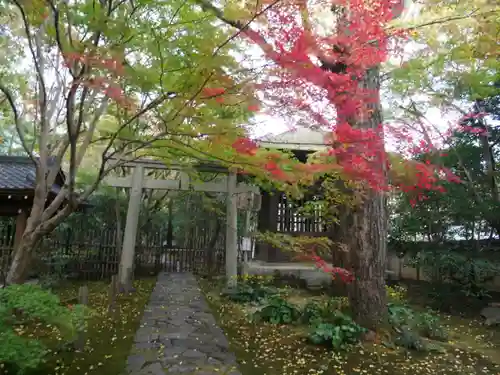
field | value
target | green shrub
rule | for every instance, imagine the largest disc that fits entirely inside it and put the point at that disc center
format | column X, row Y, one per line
column 400, row 315
column 342, row 331
column 55, row 271
column 426, row 324
column 278, row 311
column 411, row 325
column 315, row 312
column 22, row 305
column 470, row 273
column 410, row 339
column 430, row 326
column 245, row 293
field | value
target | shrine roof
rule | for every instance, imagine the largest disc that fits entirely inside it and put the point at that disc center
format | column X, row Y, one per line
column 300, row 138
column 18, row 173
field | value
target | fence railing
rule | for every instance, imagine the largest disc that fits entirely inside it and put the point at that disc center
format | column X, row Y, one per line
column 92, row 253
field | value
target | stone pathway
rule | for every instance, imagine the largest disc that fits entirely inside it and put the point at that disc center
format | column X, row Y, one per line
column 178, row 333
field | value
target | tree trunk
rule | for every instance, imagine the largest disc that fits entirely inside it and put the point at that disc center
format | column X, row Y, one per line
column 365, row 233
column 367, row 241
column 32, row 235
column 23, row 253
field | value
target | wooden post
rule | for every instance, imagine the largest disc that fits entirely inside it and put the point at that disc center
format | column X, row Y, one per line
column 21, row 220
column 113, row 291
column 231, row 232
column 131, row 272
column 83, row 299
column 128, row 250
column 268, row 221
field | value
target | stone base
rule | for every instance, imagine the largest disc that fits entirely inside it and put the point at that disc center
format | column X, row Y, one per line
column 313, row 277
column 307, row 272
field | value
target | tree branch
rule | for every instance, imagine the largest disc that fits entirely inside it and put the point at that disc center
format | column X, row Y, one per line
column 90, row 132
column 242, row 27
column 36, row 54
column 17, row 121
column 437, row 21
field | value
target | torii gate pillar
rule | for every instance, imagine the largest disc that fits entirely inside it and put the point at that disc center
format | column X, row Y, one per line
column 129, row 238
column 231, row 232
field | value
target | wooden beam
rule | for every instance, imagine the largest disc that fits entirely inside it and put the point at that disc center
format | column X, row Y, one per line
column 148, row 183
column 12, row 209
column 157, row 164
column 184, row 183
column 293, row 146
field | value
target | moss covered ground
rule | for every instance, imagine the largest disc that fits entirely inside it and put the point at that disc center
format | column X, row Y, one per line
column 108, row 338
column 266, row 349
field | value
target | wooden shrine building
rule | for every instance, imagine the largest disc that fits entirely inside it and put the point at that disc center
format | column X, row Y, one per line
column 278, row 213
column 17, row 188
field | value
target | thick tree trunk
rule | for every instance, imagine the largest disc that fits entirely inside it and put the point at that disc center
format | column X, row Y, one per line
column 32, row 235
column 367, row 241
column 365, row 232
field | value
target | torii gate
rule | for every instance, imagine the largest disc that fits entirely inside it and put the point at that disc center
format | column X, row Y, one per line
column 183, row 182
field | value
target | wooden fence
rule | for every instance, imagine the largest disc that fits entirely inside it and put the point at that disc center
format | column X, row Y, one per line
column 402, row 270
column 289, row 220
column 91, row 253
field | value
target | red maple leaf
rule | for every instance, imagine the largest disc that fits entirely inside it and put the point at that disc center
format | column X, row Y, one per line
column 211, row 91
column 245, row 146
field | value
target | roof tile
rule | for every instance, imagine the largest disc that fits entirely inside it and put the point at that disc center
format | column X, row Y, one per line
column 18, row 173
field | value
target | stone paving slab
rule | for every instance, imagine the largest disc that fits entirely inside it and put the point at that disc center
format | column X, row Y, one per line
column 178, row 333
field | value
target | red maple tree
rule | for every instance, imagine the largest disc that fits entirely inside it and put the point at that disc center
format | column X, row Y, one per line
column 333, row 69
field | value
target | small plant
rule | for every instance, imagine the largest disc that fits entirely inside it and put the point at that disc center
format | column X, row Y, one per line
column 400, row 315
column 396, row 294
column 410, row 340
column 427, row 324
column 316, row 312
column 411, row 326
column 430, row 326
column 337, row 303
column 312, row 313
column 245, row 293
column 21, row 305
column 343, row 331
column 257, row 280
column 278, row 311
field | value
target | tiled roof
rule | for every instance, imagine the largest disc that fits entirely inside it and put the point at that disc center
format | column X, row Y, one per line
column 18, row 173
column 299, row 138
